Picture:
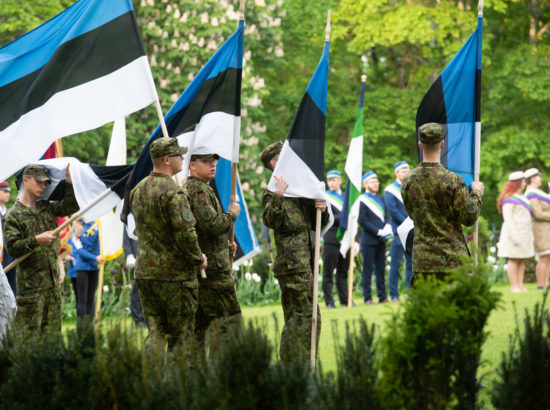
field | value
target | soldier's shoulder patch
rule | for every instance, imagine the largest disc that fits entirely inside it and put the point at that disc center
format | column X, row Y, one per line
column 187, row 215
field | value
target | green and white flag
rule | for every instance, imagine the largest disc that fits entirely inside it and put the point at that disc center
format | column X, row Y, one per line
column 354, row 169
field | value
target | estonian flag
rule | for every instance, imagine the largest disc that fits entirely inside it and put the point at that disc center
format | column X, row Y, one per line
column 82, row 69
column 454, row 101
column 301, row 161
column 349, row 217
column 89, row 181
column 245, row 237
column 207, row 116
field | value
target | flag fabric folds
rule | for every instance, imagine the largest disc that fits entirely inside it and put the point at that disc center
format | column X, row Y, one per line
column 245, row 237
column 89, row 181
column 454, row 101
column 82, row 69
column 207, row 116
column 349, row 216
column 301, row 161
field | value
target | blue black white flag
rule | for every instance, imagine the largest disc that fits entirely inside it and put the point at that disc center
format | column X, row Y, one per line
column 454, row 101
column 301, row 161
column 245, row 237
column 82, row 69
column 207, row 116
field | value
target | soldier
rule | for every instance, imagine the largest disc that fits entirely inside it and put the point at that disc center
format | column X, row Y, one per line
column 375, row 231
column 438, row 202
column 394, row 204
column 218, row 304
column 29, row 224
column 332, row 258
column 292, row 221
column 169, row 256
column 4, row 199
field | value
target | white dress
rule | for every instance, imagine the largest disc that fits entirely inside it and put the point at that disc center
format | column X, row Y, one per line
column 516, row 236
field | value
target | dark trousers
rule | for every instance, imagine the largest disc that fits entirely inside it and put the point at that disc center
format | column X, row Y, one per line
column 333, row 260
column 86, row 283
column 135, row 302
column 374, row 255
column 75, row 291
column 396, row 254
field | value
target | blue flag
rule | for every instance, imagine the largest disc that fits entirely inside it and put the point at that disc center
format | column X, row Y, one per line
column 454, row 101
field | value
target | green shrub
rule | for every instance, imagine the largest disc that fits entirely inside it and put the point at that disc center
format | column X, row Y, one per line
column 431, row 352
column 524, row 374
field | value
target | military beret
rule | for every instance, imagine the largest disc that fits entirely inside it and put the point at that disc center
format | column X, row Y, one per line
column 333, row 174
column 4, row 186
column 368, row 175
column 516, row 176
column 38, row 172
column 531, row 172
column 166, row 147
column 204, row 157
column 430, row 133
column 269, row 152
column 400, row 164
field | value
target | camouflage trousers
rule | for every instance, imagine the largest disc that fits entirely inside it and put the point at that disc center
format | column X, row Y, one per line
column 438, row 275
column 169, row 309
column 297, row 301
column 39, row 310
column 219, row 312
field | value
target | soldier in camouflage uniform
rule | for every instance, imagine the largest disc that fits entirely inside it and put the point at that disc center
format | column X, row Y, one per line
column 29, row 224
column 169, row 257
column 292, row 221
column 438, row 202
column 218, row 304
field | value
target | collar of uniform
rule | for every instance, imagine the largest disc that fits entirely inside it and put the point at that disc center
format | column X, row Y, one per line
column 431, row 164
column 160, row 174
column 39, row 205
column 198, row 179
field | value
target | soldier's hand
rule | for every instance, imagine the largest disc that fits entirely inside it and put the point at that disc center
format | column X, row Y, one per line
column 235, row 207
column 321, row 204
column 281, row 185
column 68, row 175
column 232, row 248
column 479, row 186
column 204, row 261
column 45, row 238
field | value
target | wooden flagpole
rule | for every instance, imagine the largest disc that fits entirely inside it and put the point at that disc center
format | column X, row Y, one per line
column 313, row 351
column 350, row 273
column 234, row 174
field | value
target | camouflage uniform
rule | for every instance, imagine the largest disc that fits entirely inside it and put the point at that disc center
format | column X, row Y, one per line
column 438, row 202
column 218, row 303
column 39, row 291
column 168, row 258
column 292, row 221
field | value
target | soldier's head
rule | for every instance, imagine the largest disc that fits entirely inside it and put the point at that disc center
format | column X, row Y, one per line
column 400, row 170
column 334, row 180
column 370, row 182
column 203, row 166
column 35, row 179
column 430, row 137
column 533, row 178
column 4, row 193
column 167, row 155
column 270, row 155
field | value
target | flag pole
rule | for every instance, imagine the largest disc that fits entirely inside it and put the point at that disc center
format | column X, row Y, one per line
column 234, row 173
column 99, row 295
column 477, row 151
column 161, row 119
column 313, row 352
column 77, row 215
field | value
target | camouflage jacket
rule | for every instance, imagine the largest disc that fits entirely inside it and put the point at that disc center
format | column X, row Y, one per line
column 165, row 226
column 213, row 224
column 293, row 224
column 39, row 270
column 438, row 202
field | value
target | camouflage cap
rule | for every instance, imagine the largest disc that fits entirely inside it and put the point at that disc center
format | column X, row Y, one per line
column 270, row 151
column 166, row 147
column 430, row 133
column 204, row 157
column 38, row 172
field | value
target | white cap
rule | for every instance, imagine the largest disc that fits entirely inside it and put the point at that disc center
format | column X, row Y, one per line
column 531, row 172
column 516, row 176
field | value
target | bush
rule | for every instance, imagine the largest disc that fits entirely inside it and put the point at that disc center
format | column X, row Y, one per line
column 524, row 374
column 431, row 353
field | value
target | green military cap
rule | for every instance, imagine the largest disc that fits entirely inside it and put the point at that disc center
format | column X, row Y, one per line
column 38, row 172
column 269, row 152
column 430, row 133
column 166, row 147
column 204, row 157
